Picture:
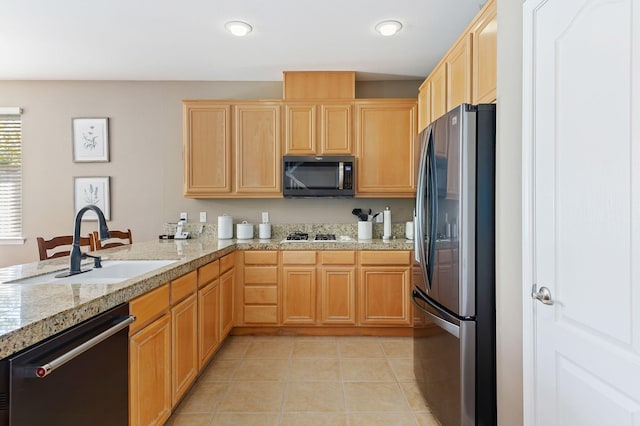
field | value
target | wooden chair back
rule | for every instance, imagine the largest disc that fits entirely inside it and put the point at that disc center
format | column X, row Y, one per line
column 122, row 238
column 63, row 243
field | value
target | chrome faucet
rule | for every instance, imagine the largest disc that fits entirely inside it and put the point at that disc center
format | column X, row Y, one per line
column 76, row 254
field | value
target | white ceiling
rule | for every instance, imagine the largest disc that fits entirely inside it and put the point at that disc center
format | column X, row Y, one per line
column 186, row 40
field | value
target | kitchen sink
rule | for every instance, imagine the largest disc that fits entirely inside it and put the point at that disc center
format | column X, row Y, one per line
column 112, row 272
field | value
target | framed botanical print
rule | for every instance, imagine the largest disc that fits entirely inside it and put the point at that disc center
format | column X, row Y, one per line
column 92, row 190
column 90, row 140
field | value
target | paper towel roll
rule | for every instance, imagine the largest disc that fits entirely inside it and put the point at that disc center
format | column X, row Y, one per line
column 225, row 227
column 386, row 218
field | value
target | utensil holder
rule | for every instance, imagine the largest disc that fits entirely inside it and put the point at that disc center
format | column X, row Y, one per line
column 264, row 231
column 365, row 230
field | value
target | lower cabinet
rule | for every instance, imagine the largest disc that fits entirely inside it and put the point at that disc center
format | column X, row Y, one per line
column 150, row 359
column 208, row 321
column 338, row 287
column 326, row 288
column 227, row 291
column 259, row 272
column 178, row 328
column 208, row 311
column 384, row 288
column 299, row 297
column 184, row 342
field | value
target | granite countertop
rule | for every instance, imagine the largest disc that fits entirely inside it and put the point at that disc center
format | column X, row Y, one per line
column 30, row 313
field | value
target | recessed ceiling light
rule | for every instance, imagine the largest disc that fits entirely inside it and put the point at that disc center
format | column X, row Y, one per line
column 388, row 28
column 238, row 28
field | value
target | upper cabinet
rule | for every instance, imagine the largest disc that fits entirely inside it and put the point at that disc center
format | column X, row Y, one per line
column 386, row 131
column 232, row 149
column 306, row 85
column 466, row 74
column 484, row 33
column 438, row 91
column 207, row 148
column 256, row 140
column 318, row 128
column 459, row 73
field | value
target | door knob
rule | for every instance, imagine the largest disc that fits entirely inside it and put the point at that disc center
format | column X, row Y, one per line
column 543, row 295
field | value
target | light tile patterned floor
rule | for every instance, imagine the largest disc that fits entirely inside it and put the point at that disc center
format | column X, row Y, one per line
column 302, row 380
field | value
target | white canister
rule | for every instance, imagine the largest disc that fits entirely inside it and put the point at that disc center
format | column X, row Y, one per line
column 408, row 230
column 264, row 231
column 244, row 230
column 365, row 230
column 225, row 227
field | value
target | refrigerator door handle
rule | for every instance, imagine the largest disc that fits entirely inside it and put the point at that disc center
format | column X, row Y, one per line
column 448, row 326
column 418, row 235
column 433, row 213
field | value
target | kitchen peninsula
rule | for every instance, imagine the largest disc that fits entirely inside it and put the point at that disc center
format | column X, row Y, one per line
column 33, row 312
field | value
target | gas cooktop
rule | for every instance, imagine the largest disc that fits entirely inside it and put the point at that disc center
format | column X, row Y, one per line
column 303, row 237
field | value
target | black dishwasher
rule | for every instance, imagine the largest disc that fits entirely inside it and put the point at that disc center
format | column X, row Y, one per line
column 77, row 377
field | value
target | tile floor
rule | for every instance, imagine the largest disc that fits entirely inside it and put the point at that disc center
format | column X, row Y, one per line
column 302, row 380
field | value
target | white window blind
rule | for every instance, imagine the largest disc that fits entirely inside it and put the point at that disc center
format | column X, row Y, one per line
column 10, row 174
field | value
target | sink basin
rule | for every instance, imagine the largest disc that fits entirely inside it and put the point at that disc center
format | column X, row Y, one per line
column 112, row 272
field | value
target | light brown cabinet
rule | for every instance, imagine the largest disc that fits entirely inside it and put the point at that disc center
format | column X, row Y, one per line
column 227, row 292
column 467, row 73
column 208, row 311
column 318, row 128
column 184, row 334
column 484, row 33
column 386, row 131
column 327, row 288
column 424, row 105
column 298, row 279
column 232, row 149
column 150, row 359
column 337, row 287
column 439, row 91
column 384, row 288
column 459, row 73
column 207, row 149
column 257, row 148
column 259, row 277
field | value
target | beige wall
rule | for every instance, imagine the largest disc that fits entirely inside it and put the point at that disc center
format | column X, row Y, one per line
column 145, row 132
column 509, row 214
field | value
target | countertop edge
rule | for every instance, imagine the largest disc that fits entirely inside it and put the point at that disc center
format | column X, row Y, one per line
column 38, row 330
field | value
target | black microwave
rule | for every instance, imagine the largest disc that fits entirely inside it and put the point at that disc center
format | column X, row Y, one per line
column 318, row 176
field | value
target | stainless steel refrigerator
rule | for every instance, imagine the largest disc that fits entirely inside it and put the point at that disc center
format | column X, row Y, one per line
column 454, row 280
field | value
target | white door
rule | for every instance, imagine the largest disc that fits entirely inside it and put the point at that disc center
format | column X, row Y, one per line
column 581, row 193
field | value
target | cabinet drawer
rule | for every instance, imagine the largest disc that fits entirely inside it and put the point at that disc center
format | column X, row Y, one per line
column 298, row 257
column 261, row 275
column 385, row 257
column 260, row 257
column 261, row 295
column 208, row 273
column 260, row 314
column 338, row 257
column 148, row 307
column 227, row 262
column 183, row 286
